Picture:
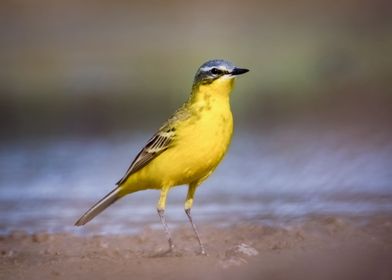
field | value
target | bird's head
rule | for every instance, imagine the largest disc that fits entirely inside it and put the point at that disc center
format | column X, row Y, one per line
column 217, row 70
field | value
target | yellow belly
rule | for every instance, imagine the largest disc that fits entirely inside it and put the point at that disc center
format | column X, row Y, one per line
column 200, row 144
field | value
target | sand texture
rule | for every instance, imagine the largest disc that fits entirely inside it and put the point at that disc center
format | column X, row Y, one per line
column 312, row 248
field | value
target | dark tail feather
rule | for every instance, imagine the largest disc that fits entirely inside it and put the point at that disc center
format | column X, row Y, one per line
column 98, row 207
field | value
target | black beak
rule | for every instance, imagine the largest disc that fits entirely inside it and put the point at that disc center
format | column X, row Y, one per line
column 239, row 71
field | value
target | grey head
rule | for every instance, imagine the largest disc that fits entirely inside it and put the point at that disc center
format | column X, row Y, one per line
column 215, row 69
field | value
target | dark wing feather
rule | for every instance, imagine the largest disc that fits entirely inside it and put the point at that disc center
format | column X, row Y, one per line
column 155, row 146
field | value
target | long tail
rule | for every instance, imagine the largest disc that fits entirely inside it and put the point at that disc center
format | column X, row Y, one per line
column 98, row 207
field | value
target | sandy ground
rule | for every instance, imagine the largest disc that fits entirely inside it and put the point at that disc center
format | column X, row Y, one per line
column 309, row 248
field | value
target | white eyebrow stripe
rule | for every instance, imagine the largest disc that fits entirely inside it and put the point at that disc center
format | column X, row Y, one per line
column 208, row 68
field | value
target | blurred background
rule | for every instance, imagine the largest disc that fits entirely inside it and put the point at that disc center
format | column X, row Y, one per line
column 84, row 84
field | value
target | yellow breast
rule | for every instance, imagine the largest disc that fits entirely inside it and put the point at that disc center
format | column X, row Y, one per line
column 206, row 137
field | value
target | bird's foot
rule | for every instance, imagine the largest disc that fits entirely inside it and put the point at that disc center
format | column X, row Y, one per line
column 203, row 252
column 170, row 252
column 160, row 254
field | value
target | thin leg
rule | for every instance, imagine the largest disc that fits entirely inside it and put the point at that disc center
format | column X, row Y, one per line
column 161, row 212
column 188, row 206
column 202, row 249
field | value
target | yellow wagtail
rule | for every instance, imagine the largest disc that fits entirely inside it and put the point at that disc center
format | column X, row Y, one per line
column 187, row 148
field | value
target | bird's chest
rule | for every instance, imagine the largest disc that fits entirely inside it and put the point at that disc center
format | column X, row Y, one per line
column 209, row 134
column 215, row 131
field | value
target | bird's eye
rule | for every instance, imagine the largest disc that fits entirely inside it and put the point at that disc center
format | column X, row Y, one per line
column 216, row 71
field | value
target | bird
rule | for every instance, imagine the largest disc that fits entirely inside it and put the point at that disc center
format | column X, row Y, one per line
column 186, row 149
